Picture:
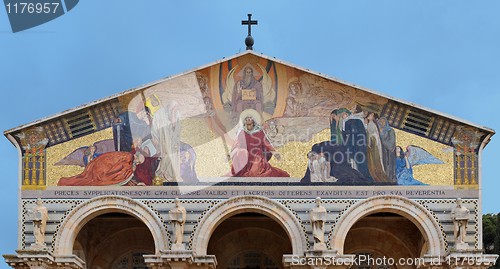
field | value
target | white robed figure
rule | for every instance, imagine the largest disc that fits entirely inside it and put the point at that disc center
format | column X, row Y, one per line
column 40, row 215
column 315, row 167
column 166, row 132
column 318, row 217
column 460, row 217
column 177, row 216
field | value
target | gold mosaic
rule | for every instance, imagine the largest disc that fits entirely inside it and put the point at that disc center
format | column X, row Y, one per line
column 432, row 174
column 293, row 103
column 211, row 150
column 294, row 154
column 58, row 152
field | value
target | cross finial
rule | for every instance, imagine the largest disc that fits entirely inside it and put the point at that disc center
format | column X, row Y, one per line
column 249, row 40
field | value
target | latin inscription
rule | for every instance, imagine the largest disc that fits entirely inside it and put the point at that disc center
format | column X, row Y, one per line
column 215, row 192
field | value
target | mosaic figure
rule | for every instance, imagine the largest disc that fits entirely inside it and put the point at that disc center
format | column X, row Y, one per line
column 252, row 150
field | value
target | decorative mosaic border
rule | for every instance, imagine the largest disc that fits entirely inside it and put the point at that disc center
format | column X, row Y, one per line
column 350, row 203
column 149, row 203
column 286, row 203
column 160, row 208
column 202, row 214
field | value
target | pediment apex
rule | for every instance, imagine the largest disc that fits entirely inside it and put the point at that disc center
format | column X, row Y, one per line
column 254, row 56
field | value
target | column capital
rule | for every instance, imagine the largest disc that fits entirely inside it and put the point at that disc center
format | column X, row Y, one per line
column 180, row 259
column 42, row 259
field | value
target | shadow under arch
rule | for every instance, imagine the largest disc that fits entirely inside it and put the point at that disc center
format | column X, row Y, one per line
column 243, row 204
column 385, row 233
column 402, row 206
column 94, row 207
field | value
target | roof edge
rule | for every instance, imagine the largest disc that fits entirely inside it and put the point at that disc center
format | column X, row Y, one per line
column 445, row 115
column 131, row 90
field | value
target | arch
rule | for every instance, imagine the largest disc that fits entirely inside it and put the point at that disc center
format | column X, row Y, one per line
column 126, row 254
column 233, row 239
column 386, row 233
column 94, row 207
column 243, row 204
column 402, row 206
column 116, row 238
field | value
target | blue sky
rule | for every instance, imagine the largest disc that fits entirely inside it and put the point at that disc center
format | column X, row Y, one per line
column 440, row 54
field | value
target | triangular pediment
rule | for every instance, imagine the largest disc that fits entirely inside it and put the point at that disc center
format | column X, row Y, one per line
column 296, row 109
column 390, row 106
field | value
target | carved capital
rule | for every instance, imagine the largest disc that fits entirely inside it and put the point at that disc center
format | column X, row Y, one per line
column 182, row 259
column 42, row 259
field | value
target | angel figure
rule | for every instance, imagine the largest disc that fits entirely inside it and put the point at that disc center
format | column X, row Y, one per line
column 248, row 92
column 406, row 160
column 33, row 139
column 83, row 155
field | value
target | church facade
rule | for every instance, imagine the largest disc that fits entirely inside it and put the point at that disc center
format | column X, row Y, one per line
column 250, row 162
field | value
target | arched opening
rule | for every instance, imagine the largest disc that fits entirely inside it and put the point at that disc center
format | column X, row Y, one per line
column 249, row 240
column 66, row 243
column 415, row 213
column 249, row 204
column 114, row 241
column 385, row 240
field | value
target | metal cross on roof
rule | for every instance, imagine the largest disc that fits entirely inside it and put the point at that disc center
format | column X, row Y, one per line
column 249, row 40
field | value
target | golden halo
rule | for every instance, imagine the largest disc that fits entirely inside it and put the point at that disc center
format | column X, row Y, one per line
column 251, row 113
